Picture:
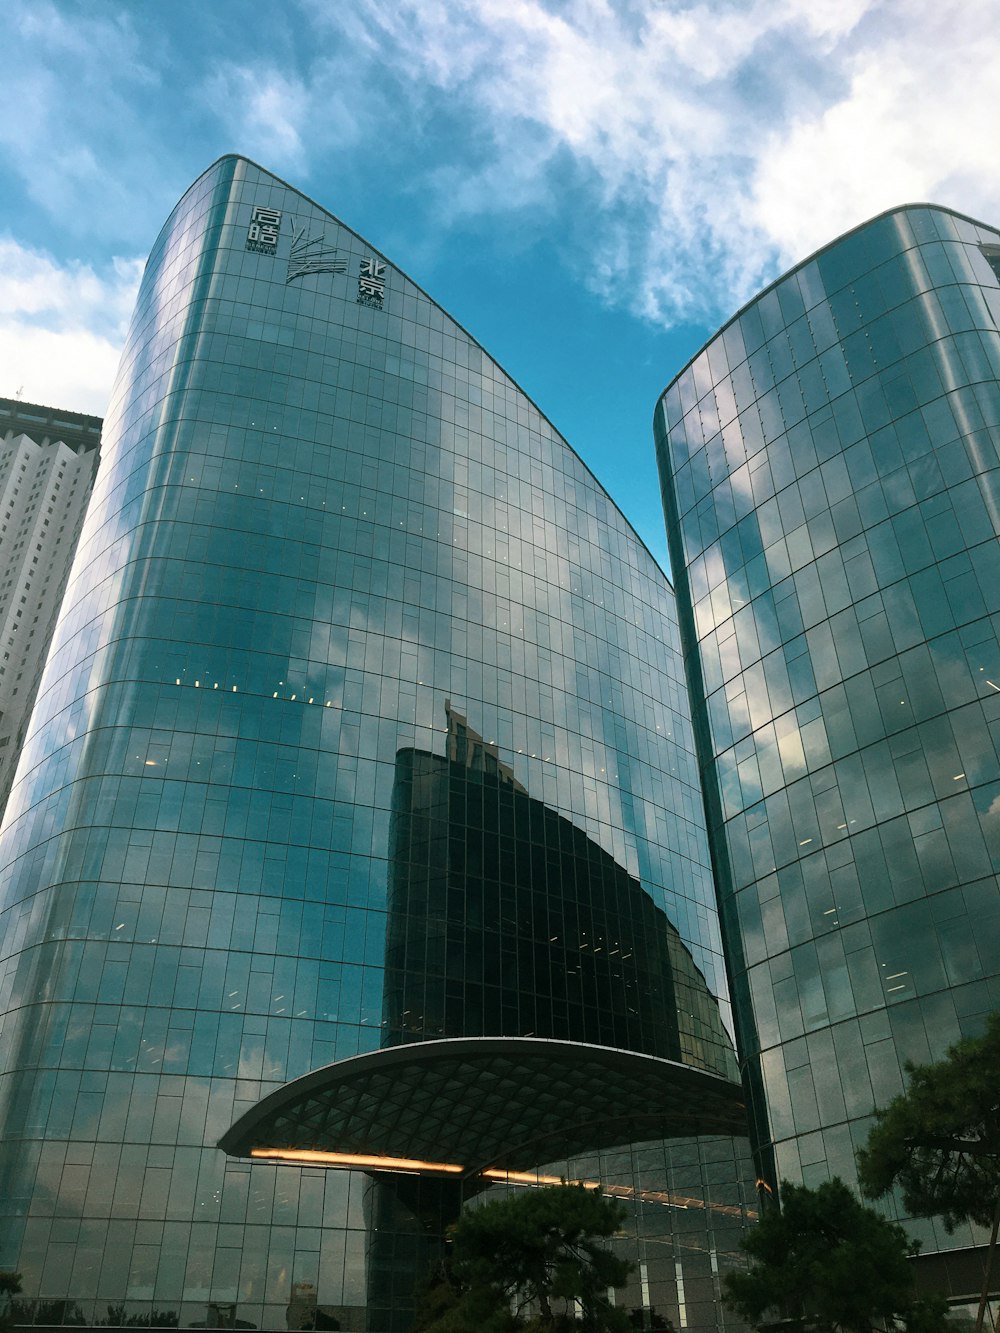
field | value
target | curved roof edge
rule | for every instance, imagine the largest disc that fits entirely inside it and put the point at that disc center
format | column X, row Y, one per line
column 485, row 1102
column 241, row 157
column 851, row 231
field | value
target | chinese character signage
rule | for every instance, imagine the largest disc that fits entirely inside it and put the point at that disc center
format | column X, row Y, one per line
column 262, row 235
column 371, row 283
column 312, row 254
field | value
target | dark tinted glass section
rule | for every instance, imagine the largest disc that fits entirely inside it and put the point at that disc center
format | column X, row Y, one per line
column 505, row 919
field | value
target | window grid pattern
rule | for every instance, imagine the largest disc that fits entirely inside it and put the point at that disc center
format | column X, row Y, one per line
column 316, row 523
column 831, row 483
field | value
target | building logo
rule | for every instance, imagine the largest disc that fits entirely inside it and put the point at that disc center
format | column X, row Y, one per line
column 311, row 254
column 262, row 234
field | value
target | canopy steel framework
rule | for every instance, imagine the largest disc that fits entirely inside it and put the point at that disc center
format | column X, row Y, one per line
column 470, row 1104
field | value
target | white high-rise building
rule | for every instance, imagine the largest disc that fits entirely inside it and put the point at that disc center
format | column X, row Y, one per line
column 48, row 460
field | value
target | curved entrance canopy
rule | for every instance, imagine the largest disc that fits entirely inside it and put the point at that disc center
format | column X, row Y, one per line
column 465, row 1105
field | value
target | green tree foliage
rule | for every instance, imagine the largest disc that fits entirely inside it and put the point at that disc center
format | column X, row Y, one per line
column 940, row 1140
column 829, row 1261
column 520, row 1264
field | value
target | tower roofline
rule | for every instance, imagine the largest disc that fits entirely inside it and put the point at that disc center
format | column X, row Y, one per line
column 78, row 430
column 800, row 264
column 241, row 157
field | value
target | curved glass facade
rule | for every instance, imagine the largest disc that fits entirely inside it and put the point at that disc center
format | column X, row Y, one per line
column 831, row 482
column 326, row 527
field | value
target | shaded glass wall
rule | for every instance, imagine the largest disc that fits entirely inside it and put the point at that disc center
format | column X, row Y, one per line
column 831, row 483
column 325, row 518
column 505, row 918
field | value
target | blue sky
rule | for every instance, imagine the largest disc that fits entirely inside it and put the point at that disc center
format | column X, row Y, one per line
column 590, row 186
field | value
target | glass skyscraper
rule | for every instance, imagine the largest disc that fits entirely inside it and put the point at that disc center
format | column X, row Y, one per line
column 831, row 473
column 363, row 746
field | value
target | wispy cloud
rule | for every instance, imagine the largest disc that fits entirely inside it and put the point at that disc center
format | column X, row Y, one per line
column 71, row 134
column 701, row 147
column 62, row 326
column 298, row 112
column 265, row 110
column 914, row 122
column 674, row 154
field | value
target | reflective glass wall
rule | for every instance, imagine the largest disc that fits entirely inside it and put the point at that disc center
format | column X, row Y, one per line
column 830, row 472
column 328, row 532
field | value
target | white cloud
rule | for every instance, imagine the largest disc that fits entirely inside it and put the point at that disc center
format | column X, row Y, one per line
column 716, row 141
column 916, row 122
column 62, row 326
column 289, row 120
column 265, row 110
column 682, row 152
column 70, row 132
